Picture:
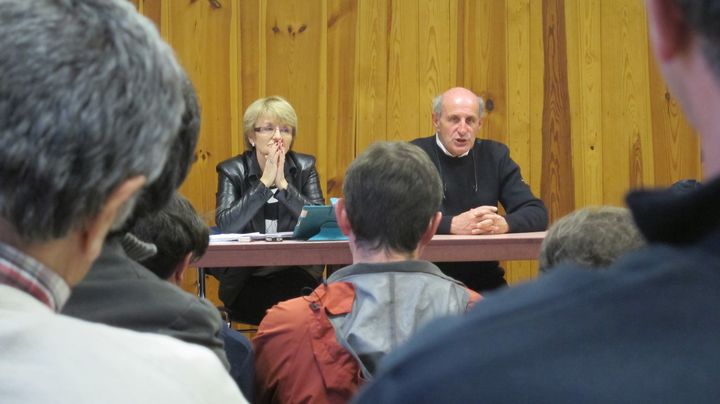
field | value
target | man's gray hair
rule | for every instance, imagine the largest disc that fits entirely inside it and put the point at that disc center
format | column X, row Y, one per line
column 437, row 105
column 89, row 96
column 392, row 191
column 592, row 237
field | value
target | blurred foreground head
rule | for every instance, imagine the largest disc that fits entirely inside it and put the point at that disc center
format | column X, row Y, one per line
column 90, row 97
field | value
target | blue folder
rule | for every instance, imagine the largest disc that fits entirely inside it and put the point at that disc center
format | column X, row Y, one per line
column 318, row 223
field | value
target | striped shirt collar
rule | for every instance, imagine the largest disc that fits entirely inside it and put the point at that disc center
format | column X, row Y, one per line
column 30, row 276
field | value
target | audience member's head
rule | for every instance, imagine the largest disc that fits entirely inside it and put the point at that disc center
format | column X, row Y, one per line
column 156, row 195
column 179, row 234
column 392, row 193
column 592, row 237
column 90, row 99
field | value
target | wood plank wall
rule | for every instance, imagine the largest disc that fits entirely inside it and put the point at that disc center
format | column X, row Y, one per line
column 575, row 92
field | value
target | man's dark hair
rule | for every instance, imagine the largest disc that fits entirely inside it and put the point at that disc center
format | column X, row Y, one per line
column 703, row 16
column 392, row 190
column 176, row 230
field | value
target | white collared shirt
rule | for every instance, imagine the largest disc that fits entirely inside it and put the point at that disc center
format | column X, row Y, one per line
column 444, row 150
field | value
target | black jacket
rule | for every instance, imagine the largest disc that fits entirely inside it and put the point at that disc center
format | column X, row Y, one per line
column 497, row 178
column 241, row 195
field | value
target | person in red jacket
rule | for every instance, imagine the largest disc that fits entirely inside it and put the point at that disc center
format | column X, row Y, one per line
column 320, row 348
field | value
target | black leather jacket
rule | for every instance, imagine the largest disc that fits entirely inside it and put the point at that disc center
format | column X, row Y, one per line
column 241, row 195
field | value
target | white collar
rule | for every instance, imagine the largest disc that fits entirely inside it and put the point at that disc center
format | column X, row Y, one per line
column 444, row 150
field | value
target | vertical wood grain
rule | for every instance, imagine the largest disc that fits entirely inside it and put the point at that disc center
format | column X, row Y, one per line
column 533, row 172
column 252, row 62
column 519, row 67
column 518, row 82
column 627, row 149
column 436, row 59
column 371, row 72
column 485, row 60
column 584, row 79
column 342, row 28
column 675, row 145
column 403, row 71
column 293, row 51
column 200, row 34
column 557, row 182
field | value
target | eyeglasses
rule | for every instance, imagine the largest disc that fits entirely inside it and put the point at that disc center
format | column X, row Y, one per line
column 270, row 130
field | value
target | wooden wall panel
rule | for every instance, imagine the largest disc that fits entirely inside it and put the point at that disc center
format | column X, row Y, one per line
column 627, row 151
column 293, row 53
column 582, row 20
column 483, row 26
column 252, row 43
column 371, row 79
column 403, row 72
column 200, row 34
column 341, row 118
column 675, row 147
column 533, row 170
column 557, row 188
column 361, row 71
column 437, row 50
column 519, row 71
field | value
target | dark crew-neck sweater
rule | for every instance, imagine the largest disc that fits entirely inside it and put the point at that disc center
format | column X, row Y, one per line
column 498, row 181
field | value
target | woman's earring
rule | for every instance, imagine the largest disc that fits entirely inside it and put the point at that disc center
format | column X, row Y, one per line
column 252, row 143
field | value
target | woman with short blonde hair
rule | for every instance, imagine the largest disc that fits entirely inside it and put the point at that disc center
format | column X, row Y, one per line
column 263, row 190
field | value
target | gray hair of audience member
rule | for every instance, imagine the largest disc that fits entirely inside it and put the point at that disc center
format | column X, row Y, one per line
column 90, row 96
column 702, row 16
column 176, row 230
column 392, row 191
column 438, row 100
column 592, row 237
column 158, row 193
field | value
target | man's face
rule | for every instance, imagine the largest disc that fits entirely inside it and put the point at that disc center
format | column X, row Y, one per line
column 458, row 123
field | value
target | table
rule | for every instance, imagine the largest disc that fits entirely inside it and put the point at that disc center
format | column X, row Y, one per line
column 442, row 248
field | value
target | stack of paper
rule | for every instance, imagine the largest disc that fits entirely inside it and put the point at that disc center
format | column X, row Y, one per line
column 233, row 237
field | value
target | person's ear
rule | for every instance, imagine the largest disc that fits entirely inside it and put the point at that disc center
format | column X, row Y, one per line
column 431, row 229
column 436, row 121
column 669, row 34
column 342, row 217
column 178, row 273
column 93, row 233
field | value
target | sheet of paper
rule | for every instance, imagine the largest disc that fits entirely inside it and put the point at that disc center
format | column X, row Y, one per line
column 233, row 237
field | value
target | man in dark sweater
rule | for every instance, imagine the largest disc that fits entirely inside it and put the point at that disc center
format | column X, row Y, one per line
column 646, row 330
column 477, row 174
